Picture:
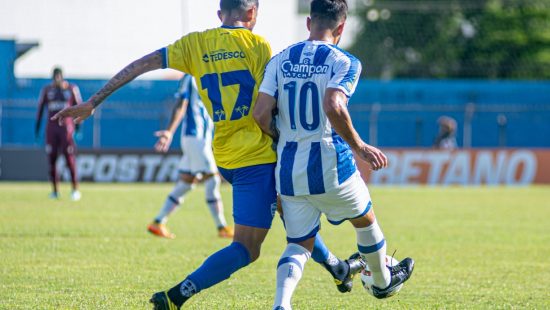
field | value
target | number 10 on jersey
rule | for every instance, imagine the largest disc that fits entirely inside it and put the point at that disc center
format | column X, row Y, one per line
column 309, row 88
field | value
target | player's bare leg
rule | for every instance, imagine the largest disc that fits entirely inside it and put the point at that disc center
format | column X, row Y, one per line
column 251, row 238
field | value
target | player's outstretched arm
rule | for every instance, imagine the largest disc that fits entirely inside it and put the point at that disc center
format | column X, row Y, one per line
column 335, row 106
column 165, row 136
column 145, row 64
column 263, row 113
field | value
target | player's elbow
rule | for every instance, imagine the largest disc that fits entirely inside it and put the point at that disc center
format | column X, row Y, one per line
column 335, row 100
column 331, row 108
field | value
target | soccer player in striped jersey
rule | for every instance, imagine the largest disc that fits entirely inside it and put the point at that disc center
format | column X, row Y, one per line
column 228, row 64
column 197, row 160
column 309, row 84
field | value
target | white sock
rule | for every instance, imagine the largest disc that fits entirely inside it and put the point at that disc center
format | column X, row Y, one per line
column 213, row 200
column 174, row 199
column 289, row 273
column 372, row 246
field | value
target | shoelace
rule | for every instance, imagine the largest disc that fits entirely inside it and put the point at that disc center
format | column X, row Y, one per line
column 397, row 269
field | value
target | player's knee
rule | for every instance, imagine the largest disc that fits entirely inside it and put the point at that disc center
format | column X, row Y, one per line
column 364, row 221
column 253, row 247
column 254, row 252
column 252, row 241
column 187, row 178
column 208, row 176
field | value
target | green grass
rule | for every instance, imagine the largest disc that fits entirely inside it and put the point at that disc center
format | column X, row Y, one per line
column 481, row 248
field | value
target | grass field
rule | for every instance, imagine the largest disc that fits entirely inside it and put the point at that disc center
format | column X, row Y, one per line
column 480, row 248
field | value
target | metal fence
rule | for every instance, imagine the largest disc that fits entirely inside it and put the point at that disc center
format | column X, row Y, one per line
column 120, row 124
column 479, row 125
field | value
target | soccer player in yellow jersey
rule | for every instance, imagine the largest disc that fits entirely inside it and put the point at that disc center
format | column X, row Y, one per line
column 228, row 64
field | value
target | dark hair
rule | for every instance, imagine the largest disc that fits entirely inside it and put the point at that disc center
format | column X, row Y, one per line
column 328, row 13
column 241, row 5
column 57, row 71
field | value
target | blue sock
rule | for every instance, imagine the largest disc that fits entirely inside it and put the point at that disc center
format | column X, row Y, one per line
column 219, row 266
column 336, row 267
column 320, row 251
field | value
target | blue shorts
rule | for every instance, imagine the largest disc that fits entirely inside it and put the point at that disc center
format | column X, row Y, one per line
column 254, row 194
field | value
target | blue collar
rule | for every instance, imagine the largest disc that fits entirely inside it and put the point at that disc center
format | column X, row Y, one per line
column 232, row 27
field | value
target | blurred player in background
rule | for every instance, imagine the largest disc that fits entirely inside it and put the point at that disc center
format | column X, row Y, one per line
column 59, row 134
column 446, row 138
column 309, row 84
column 197, row 159
column 228, row 63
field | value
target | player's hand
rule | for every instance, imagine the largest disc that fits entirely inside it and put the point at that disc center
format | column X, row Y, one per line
column 164, row 141
column 78, row 112
column 373, row 156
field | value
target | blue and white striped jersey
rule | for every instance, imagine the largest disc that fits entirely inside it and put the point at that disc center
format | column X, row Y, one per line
column 196, row 122
column 312, row 158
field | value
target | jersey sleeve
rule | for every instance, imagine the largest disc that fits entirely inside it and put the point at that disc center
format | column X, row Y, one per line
column 183, row 90
column 346, row 72
column 263, row 53
column 178, row 54
column 269, row 84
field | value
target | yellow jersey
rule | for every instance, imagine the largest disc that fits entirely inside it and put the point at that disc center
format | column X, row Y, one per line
column 228, row 65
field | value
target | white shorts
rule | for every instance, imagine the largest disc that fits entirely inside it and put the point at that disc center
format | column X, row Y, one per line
column 302, row 213
column 197, row 157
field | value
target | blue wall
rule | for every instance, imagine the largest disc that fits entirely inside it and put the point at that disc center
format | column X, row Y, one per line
column 127, row 119
column 407, row 117
column 410, row 108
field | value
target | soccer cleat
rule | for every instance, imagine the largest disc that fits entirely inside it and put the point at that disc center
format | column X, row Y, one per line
column 53, row 195
column 344, row 271
column 161, row 301
column 399, row 274
column 225, row 232
column 76, row 195
column 160, row 230
column 356, row 264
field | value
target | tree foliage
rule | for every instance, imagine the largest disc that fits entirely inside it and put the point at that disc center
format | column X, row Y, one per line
column 494, row 39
